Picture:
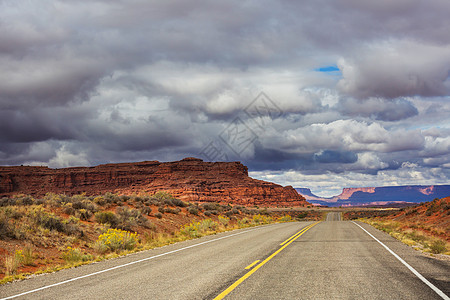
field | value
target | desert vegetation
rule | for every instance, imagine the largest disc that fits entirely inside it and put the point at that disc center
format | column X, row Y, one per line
column 425, row 227
column 57, row 231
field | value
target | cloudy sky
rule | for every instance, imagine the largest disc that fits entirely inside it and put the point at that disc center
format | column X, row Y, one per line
column 316, row 94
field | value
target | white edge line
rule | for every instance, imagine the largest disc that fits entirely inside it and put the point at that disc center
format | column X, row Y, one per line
column 127, row 264
column 432, row 286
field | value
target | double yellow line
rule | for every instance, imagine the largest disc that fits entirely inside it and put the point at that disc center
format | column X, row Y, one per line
column 298, row 233
column 249, row 273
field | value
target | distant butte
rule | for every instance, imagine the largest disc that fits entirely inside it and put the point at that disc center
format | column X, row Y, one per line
column 190, row 179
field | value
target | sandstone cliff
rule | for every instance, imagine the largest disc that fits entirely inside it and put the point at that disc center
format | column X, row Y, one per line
column 380, row 195
column 190, row 179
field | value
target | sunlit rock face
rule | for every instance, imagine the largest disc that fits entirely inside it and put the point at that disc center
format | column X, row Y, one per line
column 190, row 179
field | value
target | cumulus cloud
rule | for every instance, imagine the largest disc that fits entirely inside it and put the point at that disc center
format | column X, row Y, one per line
column 378, row 108
column 84, row 83
column 393, row 69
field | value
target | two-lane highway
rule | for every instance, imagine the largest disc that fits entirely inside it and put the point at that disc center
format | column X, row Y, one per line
column 299, row 260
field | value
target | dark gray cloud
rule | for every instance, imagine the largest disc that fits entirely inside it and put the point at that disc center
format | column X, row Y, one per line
column 84, row 83
column 378, row 108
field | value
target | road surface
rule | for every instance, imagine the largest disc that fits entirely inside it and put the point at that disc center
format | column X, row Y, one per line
column 328, row 260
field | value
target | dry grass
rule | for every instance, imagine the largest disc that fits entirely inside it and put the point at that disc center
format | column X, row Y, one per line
column 60, row 231
column 419, row 239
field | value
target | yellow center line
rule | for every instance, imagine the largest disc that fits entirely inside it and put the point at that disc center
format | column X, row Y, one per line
column 252, row 264
column 249, row 273
column 303, row 229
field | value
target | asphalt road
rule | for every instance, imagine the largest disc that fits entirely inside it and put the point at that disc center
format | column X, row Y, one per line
column 330, row 260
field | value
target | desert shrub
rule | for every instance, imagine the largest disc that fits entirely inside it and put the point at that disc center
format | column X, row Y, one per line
column 6, row 229
column 116, row 240
column 162, row 197
column 13, row 212
column 191, row 230
column 264, row 212
column 208, row 213
column 83, row 214
column 210, row 206
column 224, row 221
column 416, row 236
column 208, row 225
column 138, row 205
column 286, row 218
column 12, row 263
column 24, row 200
column 197, row 229
column 146, row 210
column 52, row 222
column 5, row 201
column 178, row 202
column 175, row 211
column 125, row 198
column 228, row 214
column 193, row 210
column 129, row 218
column 161, row 209
column 302, row 215
column 27, row 256
column 68, row 209
column 168, row 202
column 261, row 219
column 234, row 211
column 106, row 217
column 158, row 215
column 56, row 200
column 74, row 255
column 99, row 200
column 438, row 246
column 244, row 222
column 112, row 198
column 84, row 204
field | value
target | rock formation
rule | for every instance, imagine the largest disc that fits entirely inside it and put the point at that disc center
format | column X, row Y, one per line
column 380, row 195
column 190, row 179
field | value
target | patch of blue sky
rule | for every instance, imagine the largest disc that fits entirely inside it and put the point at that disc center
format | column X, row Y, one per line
column 327, row 69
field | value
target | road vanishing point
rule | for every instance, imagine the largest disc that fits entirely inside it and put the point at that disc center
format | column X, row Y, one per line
column 332, row 259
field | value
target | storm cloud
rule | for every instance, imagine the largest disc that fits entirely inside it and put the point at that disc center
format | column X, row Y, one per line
column 342, row 93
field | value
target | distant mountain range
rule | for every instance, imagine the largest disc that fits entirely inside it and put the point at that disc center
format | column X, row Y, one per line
column 379, row 195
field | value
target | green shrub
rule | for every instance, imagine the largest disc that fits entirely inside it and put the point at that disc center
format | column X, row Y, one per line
column 438, row 246
column 208, row 225
column 193, row 210
column 83, row 214
column 24, row 200
column 6, row 229
column 224, row 221
column 286, row 218
column 210, row 206
column 99, row 200
column 244, row 222
column 158, row 215
column 116, row 240
column 235, row 211
column 74, row 255
column 178, row 202
column 163, row 198
column 261, row 219
column 146, row 210
column 175, row 211
column 52, row 222
column 106, row 217
column 197, row 229
column 129, row 218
